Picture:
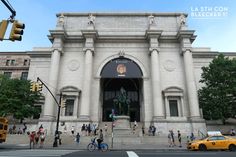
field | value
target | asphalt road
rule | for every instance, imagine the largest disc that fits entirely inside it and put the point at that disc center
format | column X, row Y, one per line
column 82, row 153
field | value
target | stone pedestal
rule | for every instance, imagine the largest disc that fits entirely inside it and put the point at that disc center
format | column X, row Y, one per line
column 122, row 126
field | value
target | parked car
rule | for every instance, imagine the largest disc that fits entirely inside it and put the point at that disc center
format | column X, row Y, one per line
column 215, row 142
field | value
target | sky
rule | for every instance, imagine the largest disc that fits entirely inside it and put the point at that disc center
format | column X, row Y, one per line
column 213, row 20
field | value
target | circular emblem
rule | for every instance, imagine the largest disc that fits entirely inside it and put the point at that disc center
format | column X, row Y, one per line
column 73, row 65
column 121, row 69
column 169, row 65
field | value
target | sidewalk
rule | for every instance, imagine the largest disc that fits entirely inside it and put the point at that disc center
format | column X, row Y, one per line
column 120, row 143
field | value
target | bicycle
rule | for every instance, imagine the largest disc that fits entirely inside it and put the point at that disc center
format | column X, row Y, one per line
column 93, row 145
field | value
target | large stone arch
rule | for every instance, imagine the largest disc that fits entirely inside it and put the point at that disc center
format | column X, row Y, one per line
column 138, row 62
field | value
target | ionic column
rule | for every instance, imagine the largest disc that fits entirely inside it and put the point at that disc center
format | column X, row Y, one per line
column 84, row 113
column 191, row 86
column 49, row 105
column 158, row 106
column 86, row 90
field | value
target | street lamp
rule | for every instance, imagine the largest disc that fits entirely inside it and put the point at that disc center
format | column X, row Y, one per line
column 57, row 134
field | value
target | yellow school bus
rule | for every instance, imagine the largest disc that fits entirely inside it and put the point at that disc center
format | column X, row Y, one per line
column 3, row 129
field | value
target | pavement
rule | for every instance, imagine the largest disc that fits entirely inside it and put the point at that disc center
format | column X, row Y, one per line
column 119, row 143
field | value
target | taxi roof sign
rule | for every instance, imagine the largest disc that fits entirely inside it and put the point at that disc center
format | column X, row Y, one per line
column 214, row 133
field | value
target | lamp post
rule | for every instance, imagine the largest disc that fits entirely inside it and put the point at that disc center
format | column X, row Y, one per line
column 57, row 134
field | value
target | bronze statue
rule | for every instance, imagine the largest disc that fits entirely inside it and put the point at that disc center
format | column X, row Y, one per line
column 122, row 102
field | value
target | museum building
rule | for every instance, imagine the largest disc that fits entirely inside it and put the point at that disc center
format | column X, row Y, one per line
column 142, row 65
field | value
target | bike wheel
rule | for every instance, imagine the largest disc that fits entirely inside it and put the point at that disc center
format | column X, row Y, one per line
column 104, row 147
column 91, row 147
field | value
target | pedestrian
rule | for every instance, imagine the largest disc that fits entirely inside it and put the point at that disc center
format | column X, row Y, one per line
column 170, row 139
column 105, row 128
column 100, row 139
column 192, row 137
column 25, row 128
column 42, row 139
column 89, row 129
column 143, row 130
column 37, row 135
column 77, row 138
column 83, row 130
column 179, row 138
column 32, row 139
column 150, row 130
column 72, row 130
column 153, row 130
column 65, row 129
column 232, row 132
column 41, row 130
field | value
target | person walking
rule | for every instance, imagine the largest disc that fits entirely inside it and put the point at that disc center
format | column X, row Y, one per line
column 77, row 138
column 105, row 128
column 100, row 139
column 72, row 130
column 170, row 139
column 179, row 138
column 32, row 139
column 42, row 139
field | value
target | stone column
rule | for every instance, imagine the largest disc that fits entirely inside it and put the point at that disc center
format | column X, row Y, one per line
column 49, row 105
column 186, row 38
column 191, row 86
column 158, row 106
column 84, row 114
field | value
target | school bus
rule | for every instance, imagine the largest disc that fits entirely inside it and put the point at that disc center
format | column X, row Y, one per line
column 3, row 129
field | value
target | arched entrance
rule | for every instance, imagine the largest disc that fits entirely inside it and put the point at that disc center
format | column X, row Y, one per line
column 121, row 75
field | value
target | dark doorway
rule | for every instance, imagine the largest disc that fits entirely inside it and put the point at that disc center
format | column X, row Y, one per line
column 111, row 89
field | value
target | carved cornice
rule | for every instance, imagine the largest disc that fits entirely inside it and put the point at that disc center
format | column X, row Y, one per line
column 153, row 34
column 57, row 34
column 89, row 33
column 186, row 34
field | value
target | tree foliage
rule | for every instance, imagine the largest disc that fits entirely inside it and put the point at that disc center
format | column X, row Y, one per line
column 218, row 97
column 16, row 99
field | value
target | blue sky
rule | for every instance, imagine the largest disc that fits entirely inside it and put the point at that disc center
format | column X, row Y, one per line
column 39, row 17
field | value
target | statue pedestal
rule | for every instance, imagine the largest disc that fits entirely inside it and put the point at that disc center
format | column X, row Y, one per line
column 122, row 126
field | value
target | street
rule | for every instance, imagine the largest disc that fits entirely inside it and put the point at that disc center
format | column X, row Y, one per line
column 138, row 153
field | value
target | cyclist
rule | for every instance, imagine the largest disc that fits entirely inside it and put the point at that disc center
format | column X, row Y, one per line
column 100, row 139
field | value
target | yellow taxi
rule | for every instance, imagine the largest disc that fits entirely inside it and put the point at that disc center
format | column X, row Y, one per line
column 212, row 143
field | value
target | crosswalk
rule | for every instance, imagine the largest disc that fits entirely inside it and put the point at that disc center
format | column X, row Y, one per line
column 35, row 153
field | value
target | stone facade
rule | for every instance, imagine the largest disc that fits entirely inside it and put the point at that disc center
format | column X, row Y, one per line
column 14, row 64
column 160, row 44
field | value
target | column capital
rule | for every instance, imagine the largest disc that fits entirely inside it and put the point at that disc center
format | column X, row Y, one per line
column 59, row 49
column 152, row 49
column 89, row 49
column 185, row 49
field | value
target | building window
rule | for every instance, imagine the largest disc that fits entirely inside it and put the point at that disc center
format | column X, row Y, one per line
column 173, row 108
column 7, row 62
column 69, row 107
column 13, row 62
column 25, row 62
column 24, row 75
column 8, row 74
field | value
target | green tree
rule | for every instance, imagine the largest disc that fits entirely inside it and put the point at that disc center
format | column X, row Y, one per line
column 16, row 99
column 218, row 97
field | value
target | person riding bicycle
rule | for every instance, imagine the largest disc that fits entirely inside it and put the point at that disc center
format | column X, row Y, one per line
column 100, row 139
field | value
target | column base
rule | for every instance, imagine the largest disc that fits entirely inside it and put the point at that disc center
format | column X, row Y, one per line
column 197, row 119
column 158, row 119
column 84, row 118
column 47, row 118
